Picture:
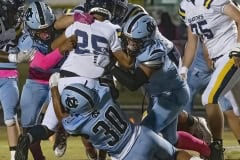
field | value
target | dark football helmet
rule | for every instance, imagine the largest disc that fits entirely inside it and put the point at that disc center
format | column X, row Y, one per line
column 11, row 13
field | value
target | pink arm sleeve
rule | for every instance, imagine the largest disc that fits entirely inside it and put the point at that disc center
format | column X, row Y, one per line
column 46, row 62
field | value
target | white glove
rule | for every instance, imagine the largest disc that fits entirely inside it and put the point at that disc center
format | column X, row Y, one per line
column 53, row 80
column 235, row 51
column 22, row 56
column 101, row 60
column 183, row 72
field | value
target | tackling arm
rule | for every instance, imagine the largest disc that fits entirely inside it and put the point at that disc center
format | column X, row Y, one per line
column 45, row 62
column 58, row 108
column 63, row 22
column 123, row 59
column 132, row 80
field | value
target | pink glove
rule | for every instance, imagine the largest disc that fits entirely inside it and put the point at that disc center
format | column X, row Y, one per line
column 85, row 18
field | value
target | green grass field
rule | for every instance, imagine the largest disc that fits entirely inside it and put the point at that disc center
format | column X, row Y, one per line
column 75, row 149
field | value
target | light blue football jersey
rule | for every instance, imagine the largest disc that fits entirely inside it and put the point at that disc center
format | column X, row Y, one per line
column 108, row 128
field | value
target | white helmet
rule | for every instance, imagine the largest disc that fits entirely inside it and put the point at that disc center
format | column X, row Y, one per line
column 39, row 16
column 78, row 99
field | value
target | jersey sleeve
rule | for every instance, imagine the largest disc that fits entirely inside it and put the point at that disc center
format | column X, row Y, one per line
column 217, row 6
column 155, row 58
column 115, row 43
column 25, row 42
column 70, row 30
column 182, row 11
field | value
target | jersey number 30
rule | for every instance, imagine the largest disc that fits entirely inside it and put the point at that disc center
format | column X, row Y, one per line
column 117, row 126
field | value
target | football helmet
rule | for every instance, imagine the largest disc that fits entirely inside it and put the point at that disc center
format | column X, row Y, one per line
column 132, row 9
column 120, row 9
column 39, row 20
column 11, row 13
column 103, row 7
column 139, row 31
column 78, row 99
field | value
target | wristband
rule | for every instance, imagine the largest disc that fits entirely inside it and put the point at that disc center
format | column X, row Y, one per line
column 183, row 70
column 12, row 58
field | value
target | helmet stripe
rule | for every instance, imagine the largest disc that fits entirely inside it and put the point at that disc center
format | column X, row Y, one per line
column 133, row 22
column 40, row 13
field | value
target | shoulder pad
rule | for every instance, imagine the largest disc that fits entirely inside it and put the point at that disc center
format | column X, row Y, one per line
column 181, row 13
column 215, row 3
column 181, row 10
column 25, row 42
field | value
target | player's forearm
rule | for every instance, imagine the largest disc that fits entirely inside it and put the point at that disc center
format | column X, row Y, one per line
column 46, row 62
column 63, row 22
column 58, row 108
column 58, row 41
column 189, row 55
column 123, row 59
column 190, row 49
column 3, row 56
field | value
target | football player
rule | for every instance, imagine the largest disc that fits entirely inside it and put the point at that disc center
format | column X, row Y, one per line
column 11, row 13
column 214, row 22
column 39, row 34
column 87, row 61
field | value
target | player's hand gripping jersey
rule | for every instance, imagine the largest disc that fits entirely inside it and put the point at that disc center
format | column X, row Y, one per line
column 204, row 17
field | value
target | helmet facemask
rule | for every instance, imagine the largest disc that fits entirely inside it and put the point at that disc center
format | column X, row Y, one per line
column 101, row 7
column 133, row 46
column 44, row 35
column 140, row 31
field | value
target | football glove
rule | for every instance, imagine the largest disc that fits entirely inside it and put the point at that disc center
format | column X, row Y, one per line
column 235, row 52
column 183, row 72
column 53, row 80
column 22, row 56
column 101, row 60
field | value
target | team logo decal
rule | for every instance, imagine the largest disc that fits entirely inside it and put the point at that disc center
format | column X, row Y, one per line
column 71, row 102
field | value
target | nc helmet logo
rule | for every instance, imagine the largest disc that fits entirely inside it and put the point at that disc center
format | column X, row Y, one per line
column 71, row 102
column 150, row 27
column 28, row 14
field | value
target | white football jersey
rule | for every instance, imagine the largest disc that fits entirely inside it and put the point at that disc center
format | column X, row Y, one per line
column 94, row 39
column 207, row 20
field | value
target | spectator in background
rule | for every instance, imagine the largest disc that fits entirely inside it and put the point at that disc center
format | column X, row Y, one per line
column 10, row 29
column 166, row 26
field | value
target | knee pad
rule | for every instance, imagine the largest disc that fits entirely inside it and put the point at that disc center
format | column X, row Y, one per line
column 10, row 122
